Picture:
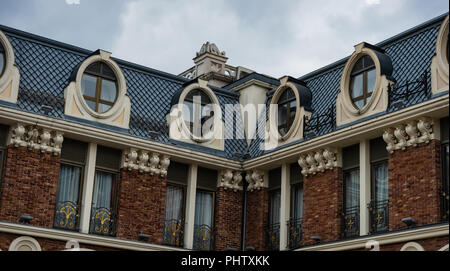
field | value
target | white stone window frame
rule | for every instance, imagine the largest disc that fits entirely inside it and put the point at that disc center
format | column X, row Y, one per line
column 273, row 137
column 346, row 111
column 74, row 99
column 217, row 131
column 25, row 241
column 9, row 80
column 439, row 63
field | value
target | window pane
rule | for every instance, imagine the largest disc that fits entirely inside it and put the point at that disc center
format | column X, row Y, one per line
column 351, row 188
column 371, row 79
column 92, row 105
column 381, row 182
column 275, row 207
column 89, row 85
column 357, row 86
column 293, row 111
column 109, row 91
column 103, row 190
column 297, row 202
column 2, row 63
column 282, row 110
column 203, row 235
column 67, row 206
column 174, row 222
column 102, row 108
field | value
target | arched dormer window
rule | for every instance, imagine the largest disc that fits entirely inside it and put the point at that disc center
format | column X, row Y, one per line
column 439, row 63
column 97, row 92
column 291, row 103
column 364, row 84
column 9, row 73
column 196, row 116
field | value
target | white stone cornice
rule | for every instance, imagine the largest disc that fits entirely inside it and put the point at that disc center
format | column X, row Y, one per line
column 409, row 134
column 318, row 161
column 35, row 138
column 145, row 162
column 255, row 180
column 230, row 179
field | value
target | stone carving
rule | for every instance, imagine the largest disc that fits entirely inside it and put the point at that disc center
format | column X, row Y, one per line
column 255, row 180
column 35, row 138
column 318, row 161
column 141, row 160
column 210, row 48
column 410, row 134
column 231, row 180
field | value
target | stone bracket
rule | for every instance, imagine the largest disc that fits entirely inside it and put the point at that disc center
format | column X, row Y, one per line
column 255, row 179
column 318, row 161
column 409, row 134
column 35, row 138
column 146, row 162
column 230, row 179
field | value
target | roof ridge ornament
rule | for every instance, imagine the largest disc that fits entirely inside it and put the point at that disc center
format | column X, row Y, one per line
column 210, row 48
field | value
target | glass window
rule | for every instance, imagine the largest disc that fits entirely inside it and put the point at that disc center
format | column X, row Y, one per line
column 67, row 210
column 274, row 219
column 197, row 110
column 445, row 168
column 295, row 223
column 174, row 215
column 287, row 109
column 99, row 87
column 362, row 81
column 203, row 227
column 351, row 191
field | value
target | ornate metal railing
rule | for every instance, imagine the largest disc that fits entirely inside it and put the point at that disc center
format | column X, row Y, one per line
column 273, row 237
column 379, row 216
column 173, row 233
column 67, row 216
column 319, row 124
column 203, row 237
column 399, row 95
column 102, row 222
column 445, row 205
column 350, row 222
column 295, row 233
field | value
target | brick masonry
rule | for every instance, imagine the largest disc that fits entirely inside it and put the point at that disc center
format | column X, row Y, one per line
column 322, row 206
column 257, row 219
column 29, row 186
column 141, row 206
column 415, row 185
column 228, row 219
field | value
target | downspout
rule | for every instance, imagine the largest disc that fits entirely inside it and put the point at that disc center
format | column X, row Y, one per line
column 244, row 211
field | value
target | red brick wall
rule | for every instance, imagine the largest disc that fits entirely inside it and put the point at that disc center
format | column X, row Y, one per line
column 141, row 206
column 415, row 185
column 228, row 219
column 257, row 219
column 46, row 244
column 322, row 201
column 29, row 186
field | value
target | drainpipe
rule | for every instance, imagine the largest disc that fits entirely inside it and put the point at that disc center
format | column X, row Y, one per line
column 244, row 210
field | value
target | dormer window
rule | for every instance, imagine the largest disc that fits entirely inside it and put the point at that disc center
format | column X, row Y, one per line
column 439, row 63
column 363, row 78
column 99, row 86
column 2, row 59
column 287, row 110
column 197, row 111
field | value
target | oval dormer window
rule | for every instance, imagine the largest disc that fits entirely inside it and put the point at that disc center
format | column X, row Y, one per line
column 197, row 110
column 2, row 59
column 362, row 84
column 287, row 110
column 99, row 87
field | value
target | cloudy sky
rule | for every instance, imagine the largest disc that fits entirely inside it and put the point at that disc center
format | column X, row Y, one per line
column 282, row 37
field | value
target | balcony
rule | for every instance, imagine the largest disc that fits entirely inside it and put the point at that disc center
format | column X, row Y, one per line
column 102, row 222
column 67, row 216
column 350, row 225
column 379, row 216
column 273, row 237
column 173, row 233
column 203, row 238
column 295, row 233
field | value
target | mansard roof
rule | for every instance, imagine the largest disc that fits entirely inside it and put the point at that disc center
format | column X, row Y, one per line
column 46, row 66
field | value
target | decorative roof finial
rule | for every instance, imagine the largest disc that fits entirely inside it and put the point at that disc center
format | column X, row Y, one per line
column 210, row 48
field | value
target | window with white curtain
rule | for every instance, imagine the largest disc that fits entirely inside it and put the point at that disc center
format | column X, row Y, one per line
column 273, row 229
column 296, row 216
column 445, row 167
column 379, row 205
column 351, row 172
column 104, row 198
column 68, row 201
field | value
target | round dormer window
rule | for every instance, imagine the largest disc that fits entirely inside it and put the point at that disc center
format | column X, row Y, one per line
column 363, row 78
column 287, row 110
column 2, row 59
column 197, row 111
column 99, row 87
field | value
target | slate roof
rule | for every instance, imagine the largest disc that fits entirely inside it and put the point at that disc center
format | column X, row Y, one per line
column 46, row 65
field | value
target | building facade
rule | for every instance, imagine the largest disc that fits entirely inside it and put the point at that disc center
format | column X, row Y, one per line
column 102, row 154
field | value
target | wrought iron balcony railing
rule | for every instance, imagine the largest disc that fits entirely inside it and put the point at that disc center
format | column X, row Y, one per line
column 400, row 95
column 67, row 216
column 379, row 216
column 203, row 237
column 350, row 225
column 273, row 237
column 102, row 222
column 445, row 205
column 173, row 232
column 321, row 124
column 295, row 233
